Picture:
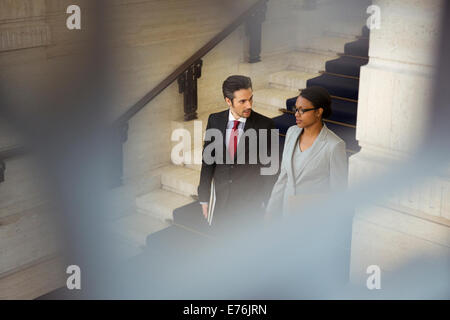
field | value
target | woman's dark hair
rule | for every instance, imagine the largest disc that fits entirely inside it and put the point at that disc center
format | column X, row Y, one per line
column 320, row 98
column 235, row 83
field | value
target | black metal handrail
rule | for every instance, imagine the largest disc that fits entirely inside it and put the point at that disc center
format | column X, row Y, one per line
column 186, row 74
column 256, row 11
column 8, row 153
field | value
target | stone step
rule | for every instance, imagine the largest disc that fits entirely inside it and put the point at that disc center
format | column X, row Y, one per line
column 324, row 45
column 268, row 112
column 259, row 72
column 180, row 180
column 290, row 79
column 160, row 204
column 273, row 98
column 308, row 61
column 122, row 247
column 195, row 163
column 133, row 229
column 345, row 29
column 28, row 236
column 196, row 128
column 120, row 202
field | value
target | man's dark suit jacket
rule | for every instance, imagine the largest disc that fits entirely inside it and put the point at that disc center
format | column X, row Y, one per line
column 240, row 188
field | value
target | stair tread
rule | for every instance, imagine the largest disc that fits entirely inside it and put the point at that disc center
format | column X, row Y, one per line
column 337, row 86
column 161, row 203
column 309, row 61
column 325, row 44
column 291, row 79
column 294, row 74
column 181, row 180
column 183, row 173
column 122, row 248
column 358, row 48
column 349, row 25
column 136, row 227
column 119, row 201
column 345, row 65
column 270, row 113
column 273, row 98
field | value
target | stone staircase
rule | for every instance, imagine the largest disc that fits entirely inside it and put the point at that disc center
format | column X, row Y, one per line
column 179, row 182
column 303, row 64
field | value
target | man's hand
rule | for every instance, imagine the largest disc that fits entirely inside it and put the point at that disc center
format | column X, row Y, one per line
column 205, row 210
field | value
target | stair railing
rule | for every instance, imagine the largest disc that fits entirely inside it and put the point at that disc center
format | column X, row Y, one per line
column 187, row 74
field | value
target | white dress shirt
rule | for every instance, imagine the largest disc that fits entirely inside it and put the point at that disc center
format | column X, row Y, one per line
column 230, row 125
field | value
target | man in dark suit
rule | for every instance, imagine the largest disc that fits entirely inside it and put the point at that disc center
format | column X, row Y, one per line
column 241, row 189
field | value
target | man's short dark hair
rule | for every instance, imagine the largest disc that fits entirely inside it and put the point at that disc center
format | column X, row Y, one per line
column 235, row 83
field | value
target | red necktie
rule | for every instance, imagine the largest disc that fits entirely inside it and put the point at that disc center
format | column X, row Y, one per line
column 232, row 146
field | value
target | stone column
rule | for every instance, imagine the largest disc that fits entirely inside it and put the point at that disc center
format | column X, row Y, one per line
column 393, row 109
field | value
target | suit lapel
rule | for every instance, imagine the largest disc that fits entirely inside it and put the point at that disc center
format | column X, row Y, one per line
column 317, row 146
column 249, row 124
column 290, row 151
column 222, row 126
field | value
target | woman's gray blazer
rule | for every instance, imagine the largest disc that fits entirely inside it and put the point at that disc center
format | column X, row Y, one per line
column 324, row 169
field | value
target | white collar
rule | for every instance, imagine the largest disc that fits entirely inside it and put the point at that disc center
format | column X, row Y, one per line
column 231, row 118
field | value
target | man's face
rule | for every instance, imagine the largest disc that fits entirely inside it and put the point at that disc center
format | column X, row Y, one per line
column 241, row 106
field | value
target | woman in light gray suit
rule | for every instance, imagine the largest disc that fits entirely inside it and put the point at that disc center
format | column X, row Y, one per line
column 314, row 158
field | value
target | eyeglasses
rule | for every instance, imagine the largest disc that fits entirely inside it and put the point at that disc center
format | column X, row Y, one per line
column 302, row 111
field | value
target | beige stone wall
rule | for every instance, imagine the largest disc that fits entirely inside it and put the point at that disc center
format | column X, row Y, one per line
column 149, row 137
column 149, row 144
column 27, row 229
column 149, row 39
column 393, row 113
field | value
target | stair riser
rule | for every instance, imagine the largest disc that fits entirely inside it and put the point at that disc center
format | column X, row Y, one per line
column 135, row 239
column 160, row 213
column 120, row 202
column 323, row 51
column 310, row 64
column 308, row 69
column 192, row 132
column 160, row 204
column 187, row 142
column 196, row 167
column 287, row 83
column 324, row 45
column 273, row 107
column 189, row 157
column 283, row 86
column 184, row 190
column 268, row 111
column 185, row 186
column 272, row 102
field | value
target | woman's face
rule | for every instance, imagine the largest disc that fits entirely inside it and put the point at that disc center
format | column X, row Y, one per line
column 308, row 118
